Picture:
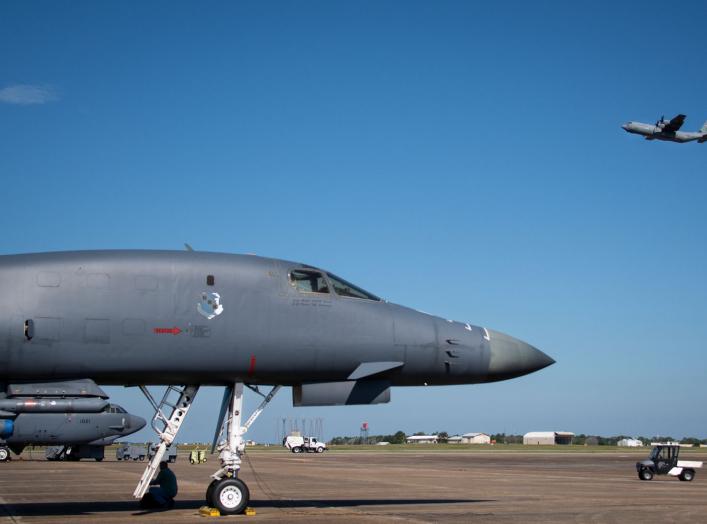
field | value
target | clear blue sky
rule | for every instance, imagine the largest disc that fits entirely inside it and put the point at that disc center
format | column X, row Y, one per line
column 467, row 160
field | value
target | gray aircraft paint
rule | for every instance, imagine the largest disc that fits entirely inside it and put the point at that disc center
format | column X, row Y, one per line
column 137, row 317
column 71, row 428
column 666, row 130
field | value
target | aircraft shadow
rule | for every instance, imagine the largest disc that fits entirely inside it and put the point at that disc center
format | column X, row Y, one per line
column 87, row 508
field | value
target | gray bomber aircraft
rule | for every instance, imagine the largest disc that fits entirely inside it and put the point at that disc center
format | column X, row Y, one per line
column 666, row 130
column 183, row 319
column 69, row 413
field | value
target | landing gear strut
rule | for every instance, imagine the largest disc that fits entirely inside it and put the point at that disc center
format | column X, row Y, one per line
column 228, row 493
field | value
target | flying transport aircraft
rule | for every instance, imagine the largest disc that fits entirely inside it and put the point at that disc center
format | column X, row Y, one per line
column 183, row 319
column 69, row 413
column 667, row 130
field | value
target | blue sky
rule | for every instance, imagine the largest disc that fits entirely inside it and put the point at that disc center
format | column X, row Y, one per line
column 466, row 158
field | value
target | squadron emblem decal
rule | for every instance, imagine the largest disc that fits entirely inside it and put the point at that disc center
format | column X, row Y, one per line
column 210, row 305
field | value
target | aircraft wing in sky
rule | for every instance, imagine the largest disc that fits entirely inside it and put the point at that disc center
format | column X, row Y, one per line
column 675, row 124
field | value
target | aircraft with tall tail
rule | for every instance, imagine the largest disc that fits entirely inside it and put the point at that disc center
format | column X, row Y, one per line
column 667, row 130
column 184, row 319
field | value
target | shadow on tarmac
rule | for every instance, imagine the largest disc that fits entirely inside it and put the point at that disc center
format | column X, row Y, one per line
column 88, row 508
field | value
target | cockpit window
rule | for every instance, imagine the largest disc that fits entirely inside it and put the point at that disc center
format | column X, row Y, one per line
column 346, row 289
column 308, row 281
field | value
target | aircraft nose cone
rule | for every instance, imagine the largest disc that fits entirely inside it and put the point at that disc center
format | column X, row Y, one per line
column 136, row 423
column 624, row 127
column 511, row 357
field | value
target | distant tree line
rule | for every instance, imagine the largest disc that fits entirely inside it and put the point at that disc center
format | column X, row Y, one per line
column 501, row 438
column 396, row 438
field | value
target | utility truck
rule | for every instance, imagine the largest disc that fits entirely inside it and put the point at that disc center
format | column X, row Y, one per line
column 131, row 452
column 170, row 455
column 663, row 460
column 297, row 444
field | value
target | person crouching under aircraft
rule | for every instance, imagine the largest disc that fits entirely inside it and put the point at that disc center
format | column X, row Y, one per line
column 163, row 490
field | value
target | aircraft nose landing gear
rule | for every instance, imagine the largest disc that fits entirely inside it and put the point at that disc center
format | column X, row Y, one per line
column 228, row 493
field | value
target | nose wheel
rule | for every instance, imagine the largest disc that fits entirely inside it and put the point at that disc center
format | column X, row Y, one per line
column 227, row 492
column 229, row 495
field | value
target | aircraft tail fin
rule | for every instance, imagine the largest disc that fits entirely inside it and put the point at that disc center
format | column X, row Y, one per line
column 703, row 131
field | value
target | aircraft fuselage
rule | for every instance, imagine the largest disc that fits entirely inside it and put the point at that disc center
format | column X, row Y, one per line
column 172, row 317
column 654, row 132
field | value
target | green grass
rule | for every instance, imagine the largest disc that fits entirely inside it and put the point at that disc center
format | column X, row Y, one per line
column 476, row 448
column 430, row 448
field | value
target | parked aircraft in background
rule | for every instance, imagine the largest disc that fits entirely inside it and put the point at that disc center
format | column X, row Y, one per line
column 69, row 413
column 185, row 319
column 666, row 130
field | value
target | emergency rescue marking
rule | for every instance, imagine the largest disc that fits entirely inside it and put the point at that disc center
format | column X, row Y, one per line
column 170, row 331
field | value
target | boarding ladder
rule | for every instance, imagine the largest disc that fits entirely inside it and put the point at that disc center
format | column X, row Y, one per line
column 176, row 400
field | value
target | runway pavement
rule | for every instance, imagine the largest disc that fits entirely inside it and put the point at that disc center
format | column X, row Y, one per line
column 369, row 487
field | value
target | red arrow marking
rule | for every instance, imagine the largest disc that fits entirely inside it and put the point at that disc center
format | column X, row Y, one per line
column 173, row 331
column 251, row 368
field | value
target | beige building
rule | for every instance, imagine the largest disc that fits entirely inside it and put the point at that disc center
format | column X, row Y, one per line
column 470, row 438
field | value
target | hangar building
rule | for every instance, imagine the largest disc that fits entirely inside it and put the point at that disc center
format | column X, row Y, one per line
column 629, row 443
column 548, row 438
column 421, row 439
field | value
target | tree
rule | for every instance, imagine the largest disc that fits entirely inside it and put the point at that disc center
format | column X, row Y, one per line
column 398, row 438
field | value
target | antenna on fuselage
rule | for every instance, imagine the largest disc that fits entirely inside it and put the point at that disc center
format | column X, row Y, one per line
column 188, row 247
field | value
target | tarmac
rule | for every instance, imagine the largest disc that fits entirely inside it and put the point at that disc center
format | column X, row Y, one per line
column 369, row 486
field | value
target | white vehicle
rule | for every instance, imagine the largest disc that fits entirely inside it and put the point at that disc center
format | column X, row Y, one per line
column 664, row 461
column 297, row 444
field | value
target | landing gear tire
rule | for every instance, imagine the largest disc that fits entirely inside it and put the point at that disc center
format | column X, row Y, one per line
column 645, row 474
column 4, row 454
column 209, row 492
column 687, row 475
column 230, row 496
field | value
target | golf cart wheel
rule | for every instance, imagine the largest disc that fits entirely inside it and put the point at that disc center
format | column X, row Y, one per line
column 645, row 474
column 687, row 475
column 230, row 496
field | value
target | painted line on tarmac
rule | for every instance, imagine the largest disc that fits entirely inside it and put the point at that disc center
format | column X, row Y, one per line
column 6, row 508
